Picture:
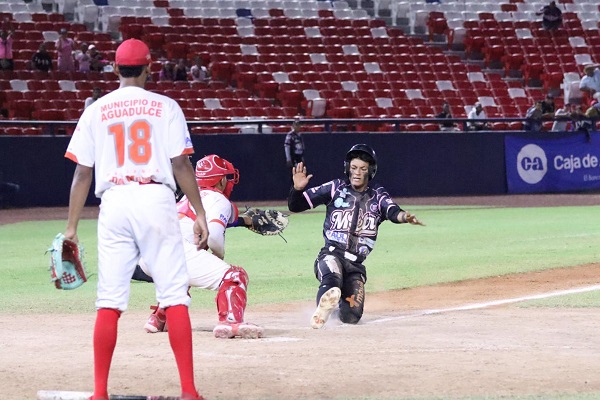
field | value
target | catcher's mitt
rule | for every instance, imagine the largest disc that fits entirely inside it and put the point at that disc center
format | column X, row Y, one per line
column 67, row 270
column 267, row 222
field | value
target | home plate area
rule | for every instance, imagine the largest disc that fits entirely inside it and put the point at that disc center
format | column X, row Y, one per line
column 69, row 395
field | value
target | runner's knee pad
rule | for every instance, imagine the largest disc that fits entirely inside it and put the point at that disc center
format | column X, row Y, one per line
column 353, row 302
column 231, row 296
column 328, row 271
column 331, row 280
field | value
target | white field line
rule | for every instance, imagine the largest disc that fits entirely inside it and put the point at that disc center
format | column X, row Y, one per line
column 62, row 395
column 487, row 304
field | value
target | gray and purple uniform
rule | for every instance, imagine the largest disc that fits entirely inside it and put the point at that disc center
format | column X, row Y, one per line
column 350, row 228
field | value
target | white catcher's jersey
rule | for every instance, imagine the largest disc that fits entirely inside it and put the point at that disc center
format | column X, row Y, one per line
column 219, row 213
column 205, row 270
column 130, row 135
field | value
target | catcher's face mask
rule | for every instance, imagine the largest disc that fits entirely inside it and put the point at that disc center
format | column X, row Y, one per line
column 212, row 168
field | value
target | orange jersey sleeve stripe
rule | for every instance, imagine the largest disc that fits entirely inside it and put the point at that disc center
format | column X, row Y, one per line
column 189, row 150
column 71, row 156
column 217, row 221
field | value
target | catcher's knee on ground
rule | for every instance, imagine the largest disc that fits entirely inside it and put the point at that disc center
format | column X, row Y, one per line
column 231, row 297
column 352, row 302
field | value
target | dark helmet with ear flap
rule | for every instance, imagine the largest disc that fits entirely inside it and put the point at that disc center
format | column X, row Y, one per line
column 366, row 154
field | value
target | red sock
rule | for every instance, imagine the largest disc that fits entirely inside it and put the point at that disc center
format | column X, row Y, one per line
column 105, row 340
column 180, row 337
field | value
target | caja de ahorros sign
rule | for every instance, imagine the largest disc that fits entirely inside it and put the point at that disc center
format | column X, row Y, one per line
column 560, row 164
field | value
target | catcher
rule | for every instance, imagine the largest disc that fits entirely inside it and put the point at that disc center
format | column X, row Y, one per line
column 216, row 178
column 355, row 209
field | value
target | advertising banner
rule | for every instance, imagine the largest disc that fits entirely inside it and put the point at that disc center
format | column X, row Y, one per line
column 546, row 165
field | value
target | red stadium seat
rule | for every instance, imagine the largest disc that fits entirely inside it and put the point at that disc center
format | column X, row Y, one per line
column 473, row 44
column 512, row 62
column 21, row 109
column 436, row 24
column 532, row 71
column 552, row 80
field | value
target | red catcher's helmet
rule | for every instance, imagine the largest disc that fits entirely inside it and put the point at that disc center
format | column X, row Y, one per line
column 212, row 168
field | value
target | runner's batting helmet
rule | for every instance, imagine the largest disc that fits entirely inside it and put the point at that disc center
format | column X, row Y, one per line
column 366, row 154
column 212, row 168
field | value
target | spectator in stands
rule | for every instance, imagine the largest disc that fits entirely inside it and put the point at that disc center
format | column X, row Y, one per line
column 6, row 49
column 42, row 60
column 446, row 126
column 564, row 116
column 551, row 16
column 586, row 122
column 548, row 107
column 167, row 73
column 594, row 113
column 477, row 114
column 97, row 60
column 180, row 71
column 579, row 122
column 198, row 71
column 65, row 47
column 96, row 94
column 83, row 58
column 534, row 118
column 83, row 48
column 590, row 83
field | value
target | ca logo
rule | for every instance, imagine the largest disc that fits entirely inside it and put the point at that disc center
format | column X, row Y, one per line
column 532, row 164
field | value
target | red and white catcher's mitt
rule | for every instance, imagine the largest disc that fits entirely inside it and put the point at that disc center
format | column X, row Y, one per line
column 67, row 269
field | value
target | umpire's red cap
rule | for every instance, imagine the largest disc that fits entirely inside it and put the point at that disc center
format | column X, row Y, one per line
column 133, row 52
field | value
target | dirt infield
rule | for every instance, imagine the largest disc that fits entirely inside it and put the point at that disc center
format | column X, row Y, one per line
column 401, row 349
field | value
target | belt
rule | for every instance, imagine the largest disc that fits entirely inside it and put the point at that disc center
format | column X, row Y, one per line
column 347, row 255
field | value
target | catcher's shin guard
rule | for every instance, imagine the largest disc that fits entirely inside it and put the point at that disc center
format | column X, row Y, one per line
column 231, row 305
column 231, row 297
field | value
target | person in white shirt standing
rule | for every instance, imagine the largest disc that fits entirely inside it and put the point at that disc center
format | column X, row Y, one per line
column 138, row 144
column 590, row 83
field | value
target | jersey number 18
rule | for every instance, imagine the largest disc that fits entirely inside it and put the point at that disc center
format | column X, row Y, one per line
column 139, row 150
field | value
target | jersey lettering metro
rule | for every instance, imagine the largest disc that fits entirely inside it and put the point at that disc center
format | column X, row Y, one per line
column 352, row 218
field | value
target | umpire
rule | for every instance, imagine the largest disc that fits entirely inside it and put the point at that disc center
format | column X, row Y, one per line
column 294, row 145
column 355, row 209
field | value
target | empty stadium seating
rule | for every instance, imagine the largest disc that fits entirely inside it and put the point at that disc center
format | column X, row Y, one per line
column 275, row 52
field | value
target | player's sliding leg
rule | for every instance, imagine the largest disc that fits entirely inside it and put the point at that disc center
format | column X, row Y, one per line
column 327, row 270
column 353, row 299
column 327, row 304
